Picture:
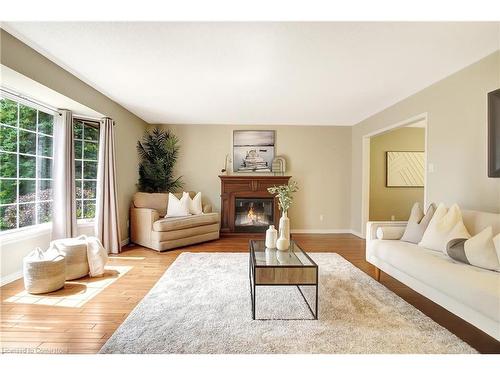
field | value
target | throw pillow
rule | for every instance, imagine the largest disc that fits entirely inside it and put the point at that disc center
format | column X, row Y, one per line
column 417, row 223
column 445, row 225
column 195, row 207
column 178, row 207
column 389, row 233
column 482, row 250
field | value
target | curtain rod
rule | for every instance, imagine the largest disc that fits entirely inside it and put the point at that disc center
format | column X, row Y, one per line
column 26, row 99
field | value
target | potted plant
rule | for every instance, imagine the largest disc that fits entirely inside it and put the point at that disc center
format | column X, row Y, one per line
column 158, row 152
column 284, row 193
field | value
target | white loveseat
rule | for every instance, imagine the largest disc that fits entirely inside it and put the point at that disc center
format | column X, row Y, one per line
column 469, row 292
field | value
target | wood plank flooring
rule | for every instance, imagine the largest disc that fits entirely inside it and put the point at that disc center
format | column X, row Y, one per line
column 27, row 326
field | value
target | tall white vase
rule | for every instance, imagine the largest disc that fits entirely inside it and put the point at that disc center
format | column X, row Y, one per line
column 283, row 242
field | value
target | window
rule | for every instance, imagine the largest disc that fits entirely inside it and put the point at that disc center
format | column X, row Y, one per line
column 86, row 134
column 25, row 165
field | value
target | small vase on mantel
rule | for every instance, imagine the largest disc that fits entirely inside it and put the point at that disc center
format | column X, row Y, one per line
column 283, row 242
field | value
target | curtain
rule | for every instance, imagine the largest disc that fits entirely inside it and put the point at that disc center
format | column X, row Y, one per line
column 63, row 174
column 107, row 227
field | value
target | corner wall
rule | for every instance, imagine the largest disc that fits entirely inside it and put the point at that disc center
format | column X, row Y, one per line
column 457, row 138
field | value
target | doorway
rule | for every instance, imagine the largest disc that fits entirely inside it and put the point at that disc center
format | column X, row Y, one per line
column 394, row 170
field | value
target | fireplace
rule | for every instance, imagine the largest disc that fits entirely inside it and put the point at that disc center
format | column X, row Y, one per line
column 253, row 214
column 246, row 205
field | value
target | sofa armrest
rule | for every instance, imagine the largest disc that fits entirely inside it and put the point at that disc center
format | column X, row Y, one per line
column 372, row 226
column 207, row 208
column 141, row 224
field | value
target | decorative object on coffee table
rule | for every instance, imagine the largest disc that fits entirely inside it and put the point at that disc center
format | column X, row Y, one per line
column 285, row 199
column 271, row 237
column 290, row 268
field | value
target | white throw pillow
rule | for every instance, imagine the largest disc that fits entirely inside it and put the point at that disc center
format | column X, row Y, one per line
column 178, row 207
column 482, row 250
column 445, row 225
column 195, row 207
column 390, row 233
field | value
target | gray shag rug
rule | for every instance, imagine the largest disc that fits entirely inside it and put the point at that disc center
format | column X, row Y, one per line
column 202, row 305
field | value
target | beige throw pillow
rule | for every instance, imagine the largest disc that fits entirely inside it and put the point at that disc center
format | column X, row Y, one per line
column 482, row 250
column 178, row 207
column 445, row 225
column 417, row 223
column 195, row 207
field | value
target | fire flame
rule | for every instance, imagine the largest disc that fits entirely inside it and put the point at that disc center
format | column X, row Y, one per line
column 251, row 214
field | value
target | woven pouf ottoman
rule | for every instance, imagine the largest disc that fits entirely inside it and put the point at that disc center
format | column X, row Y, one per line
column 44, row 272
column 75, row 251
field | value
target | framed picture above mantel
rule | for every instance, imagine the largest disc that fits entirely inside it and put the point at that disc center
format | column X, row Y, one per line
column 253, row 151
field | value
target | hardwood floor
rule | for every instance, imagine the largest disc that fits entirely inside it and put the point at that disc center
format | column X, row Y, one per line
column 82, row 316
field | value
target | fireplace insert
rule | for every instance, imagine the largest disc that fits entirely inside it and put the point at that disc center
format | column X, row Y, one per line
column 253, row 214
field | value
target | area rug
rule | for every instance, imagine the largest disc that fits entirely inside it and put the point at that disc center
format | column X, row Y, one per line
column 202, row 305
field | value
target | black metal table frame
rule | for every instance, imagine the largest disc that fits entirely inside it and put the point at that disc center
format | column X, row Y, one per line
column 251, row 274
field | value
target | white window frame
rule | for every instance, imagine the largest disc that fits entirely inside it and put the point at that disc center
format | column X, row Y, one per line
column 40, row 108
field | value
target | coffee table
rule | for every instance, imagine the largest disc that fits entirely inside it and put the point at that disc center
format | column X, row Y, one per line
column 270, row 267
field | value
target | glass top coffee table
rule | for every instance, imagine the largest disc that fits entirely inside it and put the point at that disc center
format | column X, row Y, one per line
column 272, row 267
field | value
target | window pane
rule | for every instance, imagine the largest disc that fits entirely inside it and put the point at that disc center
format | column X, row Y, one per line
column 88, row 209
column 44, row 168
column 78, row 186
column 27, row 190
column 8, row 191
column 90, row 150
column 79, row 210
column 44, row 190
column 45, row 123
column 27, row 166
column 8, row 139
column 78, row 169
column 27, row 142
column 8, row 165
column 8, row 112
column 26, row 215
column 89, row 189
column 44, row 212
column 78, row 150
column 90, row 170
column 27, row 117
column 91, row 133
column 77, row 130
column 44, row 145
column 8, row 215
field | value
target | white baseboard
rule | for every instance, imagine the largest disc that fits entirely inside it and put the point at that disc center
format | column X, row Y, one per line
column 10, row 278
column 327, row 231
column 125, row 242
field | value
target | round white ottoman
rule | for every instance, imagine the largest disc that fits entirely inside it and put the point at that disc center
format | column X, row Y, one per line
column 44, row 272
column 75, row 251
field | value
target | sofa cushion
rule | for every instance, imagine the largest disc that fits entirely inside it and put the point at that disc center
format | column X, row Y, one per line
column 470, row 285
column 176, row 223
column 156, row 201
column 184, row 233
column 417, row 223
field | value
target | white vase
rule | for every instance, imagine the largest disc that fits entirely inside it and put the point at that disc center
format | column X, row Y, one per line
column 283, row 242
column 271, row 237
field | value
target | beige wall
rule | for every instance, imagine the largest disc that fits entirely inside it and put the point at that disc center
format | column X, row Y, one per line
column 393, row 201
column 457, row 138
column 23, row 59
column 319, row 158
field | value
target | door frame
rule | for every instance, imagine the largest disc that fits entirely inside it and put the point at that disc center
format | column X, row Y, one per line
column 365, row 161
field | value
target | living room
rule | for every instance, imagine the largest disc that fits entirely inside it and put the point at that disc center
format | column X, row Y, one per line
column 250, row 187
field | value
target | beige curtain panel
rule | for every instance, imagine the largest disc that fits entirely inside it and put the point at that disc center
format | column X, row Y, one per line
column 107, row 227
column 64, row 196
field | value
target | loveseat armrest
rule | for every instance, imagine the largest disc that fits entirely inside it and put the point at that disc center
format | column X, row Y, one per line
column 141, row 224
column 207, row 208
column 372, row 226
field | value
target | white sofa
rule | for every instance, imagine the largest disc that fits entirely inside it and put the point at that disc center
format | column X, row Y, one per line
column 469, row 292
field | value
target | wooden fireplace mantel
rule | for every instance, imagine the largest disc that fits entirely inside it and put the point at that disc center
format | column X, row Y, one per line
column 246, row 186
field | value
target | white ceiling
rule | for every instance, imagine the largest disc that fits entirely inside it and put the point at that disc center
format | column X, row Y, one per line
column 334, row 73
